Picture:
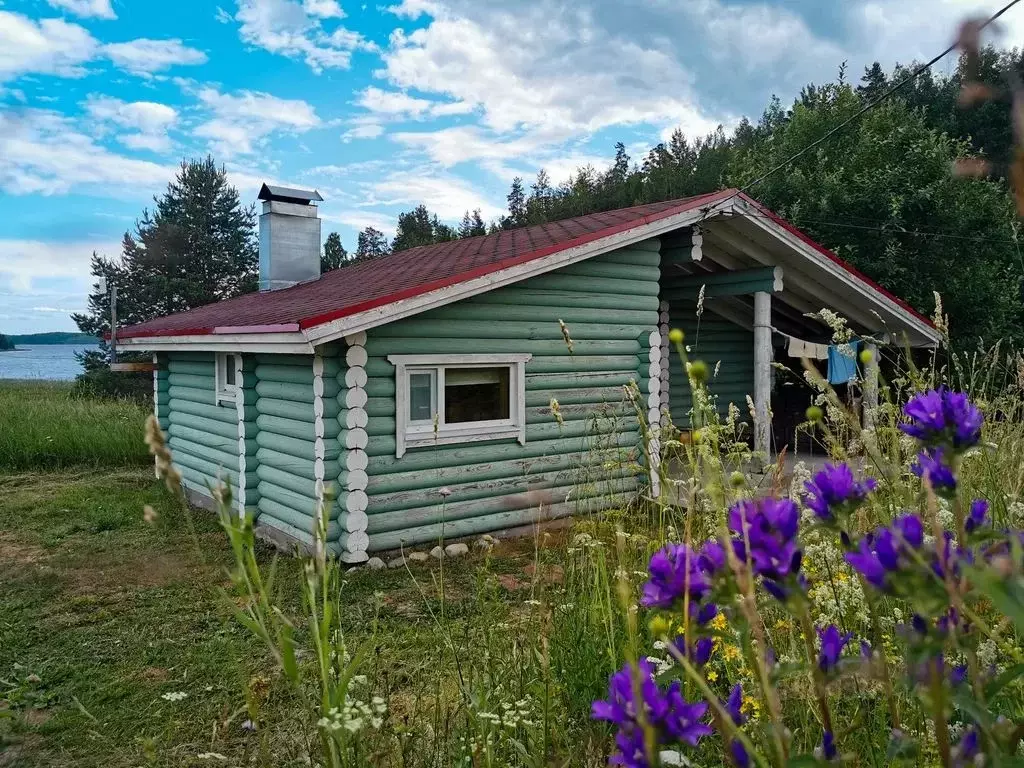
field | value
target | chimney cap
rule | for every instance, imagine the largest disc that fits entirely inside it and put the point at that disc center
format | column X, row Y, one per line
column 288, row 194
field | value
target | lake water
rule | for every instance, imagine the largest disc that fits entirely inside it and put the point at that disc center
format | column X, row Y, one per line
column 42, row 361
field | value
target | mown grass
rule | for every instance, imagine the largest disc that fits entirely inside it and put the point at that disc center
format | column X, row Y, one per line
column 44, row 425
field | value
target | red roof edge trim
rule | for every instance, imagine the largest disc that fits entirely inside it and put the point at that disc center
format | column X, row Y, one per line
column 472, row 274
column 169, row 332
column 852, row 270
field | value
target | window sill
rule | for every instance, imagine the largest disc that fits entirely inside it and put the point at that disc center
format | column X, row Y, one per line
column 227, row 397
column 463, row 435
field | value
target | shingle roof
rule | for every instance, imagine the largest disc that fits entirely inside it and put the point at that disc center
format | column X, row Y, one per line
column 365, row 285
column 368, row 284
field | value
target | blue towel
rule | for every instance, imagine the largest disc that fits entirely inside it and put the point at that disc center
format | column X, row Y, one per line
column 842, row 362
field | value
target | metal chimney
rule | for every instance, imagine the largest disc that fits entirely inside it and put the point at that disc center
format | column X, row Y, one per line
column 289, row 237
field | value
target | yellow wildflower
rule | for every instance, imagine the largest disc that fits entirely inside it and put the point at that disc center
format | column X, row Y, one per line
column 718, row 622
column 751, row 707
column 731, row 653
column 712, row 676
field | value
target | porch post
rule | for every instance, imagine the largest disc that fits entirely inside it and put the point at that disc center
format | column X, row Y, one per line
column 762, row 371
column 870, row 404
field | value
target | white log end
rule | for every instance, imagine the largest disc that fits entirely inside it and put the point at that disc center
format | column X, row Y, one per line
column 356, row 418
column 355, row 398
column 355, row 377
column 356, row 339
column 356, row 459
column 356, row 438
column 356, row 356
column 355, row 522
column 356, row 501
column 357, row 480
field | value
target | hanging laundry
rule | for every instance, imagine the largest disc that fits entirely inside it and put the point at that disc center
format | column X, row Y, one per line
column 842, row 362
column 808, row 349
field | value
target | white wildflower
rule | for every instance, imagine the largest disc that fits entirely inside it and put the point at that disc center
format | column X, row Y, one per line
column 174, row 696
column 211, row 756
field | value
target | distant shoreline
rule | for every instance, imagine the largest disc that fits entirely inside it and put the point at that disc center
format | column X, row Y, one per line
column 51, row 338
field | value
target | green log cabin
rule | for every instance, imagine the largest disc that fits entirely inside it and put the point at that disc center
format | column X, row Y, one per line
column 419, row 386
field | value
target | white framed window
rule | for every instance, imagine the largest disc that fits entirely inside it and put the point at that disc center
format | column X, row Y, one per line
column 228, row 375
column 444, row 399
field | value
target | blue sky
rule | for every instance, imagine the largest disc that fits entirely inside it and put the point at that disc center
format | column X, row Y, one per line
column 379, row 106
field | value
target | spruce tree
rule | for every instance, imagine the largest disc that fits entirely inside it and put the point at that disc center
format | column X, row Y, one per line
column 371, row 244
column 195, row 247
column 334, row 254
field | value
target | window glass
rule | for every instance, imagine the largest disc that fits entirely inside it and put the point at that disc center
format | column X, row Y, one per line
column 476, row 394
column 229, row 370
column 421, row 396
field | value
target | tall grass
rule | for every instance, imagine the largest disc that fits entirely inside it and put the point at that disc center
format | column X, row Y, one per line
column 45, row 426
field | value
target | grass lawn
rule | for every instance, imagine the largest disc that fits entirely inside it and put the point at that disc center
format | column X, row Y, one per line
column 102, row 613
column 46, row 425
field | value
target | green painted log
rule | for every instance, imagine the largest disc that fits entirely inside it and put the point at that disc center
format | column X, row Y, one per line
column 380, row 406
column 225, row 413
column 287, row 409
column 671, row 256
column 467, row 310
column 301, row 430
column 304, row 539
column 294, row 464
column 332, row 365
column 577, row 380
column 207, row 468
column 203, row 424
column 494, row 470
column 551, row 298
column 381, row 386
column 385, row 445
column 500, row 328
column 427, row 514
column 731, row 283
column 304, row 486
column 591, row 395
column 192, row 357
column 163, row 384
column 210, row 440
column 294, row 501
column 291, row 374
column 192, row 394
column 164, row 421
column 378, row 367
column 248, row 395
column 644, row 257
column 205, row 383
column 217, row 457
column 554, row 281
column 477, row 453
column 381, row 347
column 593, row 268
column 385, row 425
column 272, row 358
column 199, row 482
column 490, row 495
column 475, row 525
column 300, row 393
column 302, row 449
column 294, row 518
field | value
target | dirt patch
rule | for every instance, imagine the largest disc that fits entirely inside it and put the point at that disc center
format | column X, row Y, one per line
column 551, row 574
column 15, row 552
column 511, row 582
column 155, row 674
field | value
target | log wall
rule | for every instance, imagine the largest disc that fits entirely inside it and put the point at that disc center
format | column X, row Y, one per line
column 609, row 305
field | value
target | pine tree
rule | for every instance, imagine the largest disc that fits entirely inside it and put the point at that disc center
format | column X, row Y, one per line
column 414, row 228
column 371, row 244
column 516, row 205
column 196, row 246
column 873, row 84
column 334, row 254
column 472, row 225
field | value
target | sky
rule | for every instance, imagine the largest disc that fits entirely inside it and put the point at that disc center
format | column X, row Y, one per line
column 380, row 106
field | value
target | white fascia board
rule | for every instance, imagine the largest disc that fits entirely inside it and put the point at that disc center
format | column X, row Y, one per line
column 388, row 313
column 930, row 334
column 292, row 343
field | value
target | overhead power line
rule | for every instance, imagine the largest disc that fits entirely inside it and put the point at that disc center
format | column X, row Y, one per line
column 866, row 108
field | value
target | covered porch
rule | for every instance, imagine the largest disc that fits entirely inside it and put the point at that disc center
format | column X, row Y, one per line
column 742, row 285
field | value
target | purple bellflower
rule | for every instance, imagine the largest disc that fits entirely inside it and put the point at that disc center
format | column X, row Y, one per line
column 828, row 746
column 675, row 569
column 977, row 516
column 931, row 466
column 733, row 705
column 769, row 526
column 834, row 491
column 885, row 550
column 832, row 644
column 967, row 750
column 940, row 417
column 670, row 716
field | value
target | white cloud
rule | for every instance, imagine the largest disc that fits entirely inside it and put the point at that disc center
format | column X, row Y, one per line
column 144, row 57
column 149, row 121
column 99, row 9
column 23, row 263
column 241, row 122
column 362, row 219
column 363, row 127
column 447, row 196
column 49, row 47
column 295, row 30
column 323, row 9
column 42, row 152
